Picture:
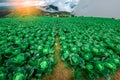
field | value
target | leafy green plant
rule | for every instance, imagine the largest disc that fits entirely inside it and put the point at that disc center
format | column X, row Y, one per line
column 89, row 47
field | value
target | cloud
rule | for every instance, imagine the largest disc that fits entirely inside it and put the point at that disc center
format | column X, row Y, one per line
column 3, row 0
column 61, row 5
column 66, row 5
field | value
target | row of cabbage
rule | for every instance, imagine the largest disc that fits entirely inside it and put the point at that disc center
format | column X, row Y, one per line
column 26, row 48
column 91, row 46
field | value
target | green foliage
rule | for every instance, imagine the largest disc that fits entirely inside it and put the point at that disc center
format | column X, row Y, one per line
column 26, row 48
column 90, row 45
column 18, row 76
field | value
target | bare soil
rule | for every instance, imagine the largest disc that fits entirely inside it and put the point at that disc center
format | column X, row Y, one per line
column 60, row 71
column 113, row 77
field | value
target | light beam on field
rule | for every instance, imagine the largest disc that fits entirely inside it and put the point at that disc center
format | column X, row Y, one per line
column 25, row 7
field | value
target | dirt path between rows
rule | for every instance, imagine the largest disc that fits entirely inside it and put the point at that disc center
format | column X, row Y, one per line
column 60, row 71
column 116, row 76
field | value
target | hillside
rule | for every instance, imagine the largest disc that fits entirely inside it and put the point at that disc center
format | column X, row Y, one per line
column 4, row 12
column 30, row 11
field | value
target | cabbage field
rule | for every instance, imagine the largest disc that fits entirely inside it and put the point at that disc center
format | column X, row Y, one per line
column 89, row 46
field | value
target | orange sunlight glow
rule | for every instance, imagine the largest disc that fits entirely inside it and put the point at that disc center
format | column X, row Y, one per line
column 25, row 8
column 27, row 3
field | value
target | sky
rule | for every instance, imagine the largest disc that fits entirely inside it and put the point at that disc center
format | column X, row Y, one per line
column 2, row 0
column 62, row 5
column 98, row 8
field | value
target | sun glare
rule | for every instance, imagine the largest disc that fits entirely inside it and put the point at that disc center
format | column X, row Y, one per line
column 27, row 3
column 26, row 8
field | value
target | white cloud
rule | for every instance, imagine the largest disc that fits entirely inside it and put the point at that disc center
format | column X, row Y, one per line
column 63, row 5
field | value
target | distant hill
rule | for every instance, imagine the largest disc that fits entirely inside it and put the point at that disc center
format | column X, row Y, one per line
column 23, row 12
column 4, row 12
column 10, row 12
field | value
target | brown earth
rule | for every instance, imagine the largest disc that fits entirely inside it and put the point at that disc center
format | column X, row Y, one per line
column 117, row 75
column 113, row 77
column 60, row 71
